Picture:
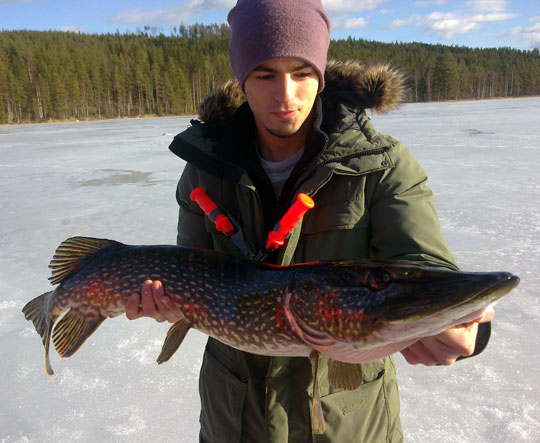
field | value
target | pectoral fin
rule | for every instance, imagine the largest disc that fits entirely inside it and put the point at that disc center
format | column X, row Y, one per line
column 317, row 418
column 342, row 375
column 174, row 339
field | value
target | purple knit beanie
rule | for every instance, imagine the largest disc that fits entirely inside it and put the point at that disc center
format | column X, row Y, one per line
column 265, row 29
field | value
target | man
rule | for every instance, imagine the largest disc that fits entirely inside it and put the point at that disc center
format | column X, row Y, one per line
column 298, row 132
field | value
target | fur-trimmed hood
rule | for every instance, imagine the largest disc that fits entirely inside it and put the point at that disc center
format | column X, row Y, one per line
column 378, row 86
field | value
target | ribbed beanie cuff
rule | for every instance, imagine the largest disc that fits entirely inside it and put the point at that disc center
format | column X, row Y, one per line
column 262, row 30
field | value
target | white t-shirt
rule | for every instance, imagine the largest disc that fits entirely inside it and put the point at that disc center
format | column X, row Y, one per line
column 278, row 172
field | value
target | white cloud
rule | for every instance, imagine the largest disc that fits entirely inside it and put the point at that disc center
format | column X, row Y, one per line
column 448, row 24
column 355, row 23
column 532, row 34
column 535, row 19
column 512, row 32
column 488, row 5
column 399, row 22
column 423, row 4
column 350, row 6
column 349, row 23
column 172, row 15
column 342, row 12
column 494, row 17
column 183, row 12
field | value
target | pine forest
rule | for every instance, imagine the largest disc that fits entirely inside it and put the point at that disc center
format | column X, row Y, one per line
column 52, row 75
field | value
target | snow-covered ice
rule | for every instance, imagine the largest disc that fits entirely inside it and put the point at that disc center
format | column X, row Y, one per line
column 116, row 179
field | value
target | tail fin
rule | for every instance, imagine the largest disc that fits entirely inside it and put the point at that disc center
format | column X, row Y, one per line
column 39, row 311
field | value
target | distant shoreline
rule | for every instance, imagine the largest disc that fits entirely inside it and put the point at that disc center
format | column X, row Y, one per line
column 74, row 120
column 145, row 116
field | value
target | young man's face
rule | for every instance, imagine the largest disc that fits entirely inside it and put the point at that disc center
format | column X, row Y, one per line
column 281, row 93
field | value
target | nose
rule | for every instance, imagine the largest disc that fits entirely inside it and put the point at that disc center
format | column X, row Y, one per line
column 285, row 89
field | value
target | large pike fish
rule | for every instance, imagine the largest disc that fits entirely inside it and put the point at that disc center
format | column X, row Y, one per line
column 349, row 311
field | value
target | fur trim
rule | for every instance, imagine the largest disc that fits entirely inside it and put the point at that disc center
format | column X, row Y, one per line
column 221, row 103
column 377, row 86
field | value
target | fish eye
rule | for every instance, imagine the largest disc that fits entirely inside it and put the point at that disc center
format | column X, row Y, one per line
column 378, row 280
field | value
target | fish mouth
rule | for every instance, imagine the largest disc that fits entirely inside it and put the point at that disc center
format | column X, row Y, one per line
column 306, row 333
column 446, row 315
column 465, row 292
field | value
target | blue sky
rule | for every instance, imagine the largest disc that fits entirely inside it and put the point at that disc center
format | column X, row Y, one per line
column 474, row 23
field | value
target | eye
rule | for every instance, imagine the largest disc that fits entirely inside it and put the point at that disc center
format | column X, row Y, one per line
column 265, row 77
column 304, row 74
column 378, row 280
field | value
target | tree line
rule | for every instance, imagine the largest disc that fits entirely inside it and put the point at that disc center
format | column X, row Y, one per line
column 56, row 75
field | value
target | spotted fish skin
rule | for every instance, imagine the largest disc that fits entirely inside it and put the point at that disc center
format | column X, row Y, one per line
column 237, row 301
column 345, row 310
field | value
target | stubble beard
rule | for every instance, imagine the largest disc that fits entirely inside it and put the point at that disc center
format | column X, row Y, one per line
column 282, row 133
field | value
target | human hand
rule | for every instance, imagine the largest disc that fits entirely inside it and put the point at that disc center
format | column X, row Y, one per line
column 152, row 302
column 445, row 348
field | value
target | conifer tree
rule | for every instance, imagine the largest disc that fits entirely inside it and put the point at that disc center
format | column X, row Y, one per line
column 66, row 75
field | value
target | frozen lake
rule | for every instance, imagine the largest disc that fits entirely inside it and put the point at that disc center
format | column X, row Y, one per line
column 116, row 179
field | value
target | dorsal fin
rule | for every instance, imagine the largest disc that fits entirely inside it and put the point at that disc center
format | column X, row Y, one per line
column 72, row 252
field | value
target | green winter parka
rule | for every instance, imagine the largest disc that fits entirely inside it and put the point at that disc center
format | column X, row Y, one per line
column 371, row 201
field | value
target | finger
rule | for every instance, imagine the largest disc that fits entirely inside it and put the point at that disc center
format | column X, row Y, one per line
column 452, row 345
column 157, row 289
column 132, row 306
column 469, row 343
column 158, row 294
column 443, row 354
column 409, row 356
column 459, row 341
column 425, row 352
column 149, row 308
column 418, row 353
column 431, row 351
column 173, row 314
column 163, row 304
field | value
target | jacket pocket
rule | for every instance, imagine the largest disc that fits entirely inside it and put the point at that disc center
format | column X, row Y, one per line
column 357, row 416
column 340, row 204
column 338, row 226
column 223, row 396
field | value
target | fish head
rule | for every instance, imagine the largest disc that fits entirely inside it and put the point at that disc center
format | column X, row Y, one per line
column 384, row 302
